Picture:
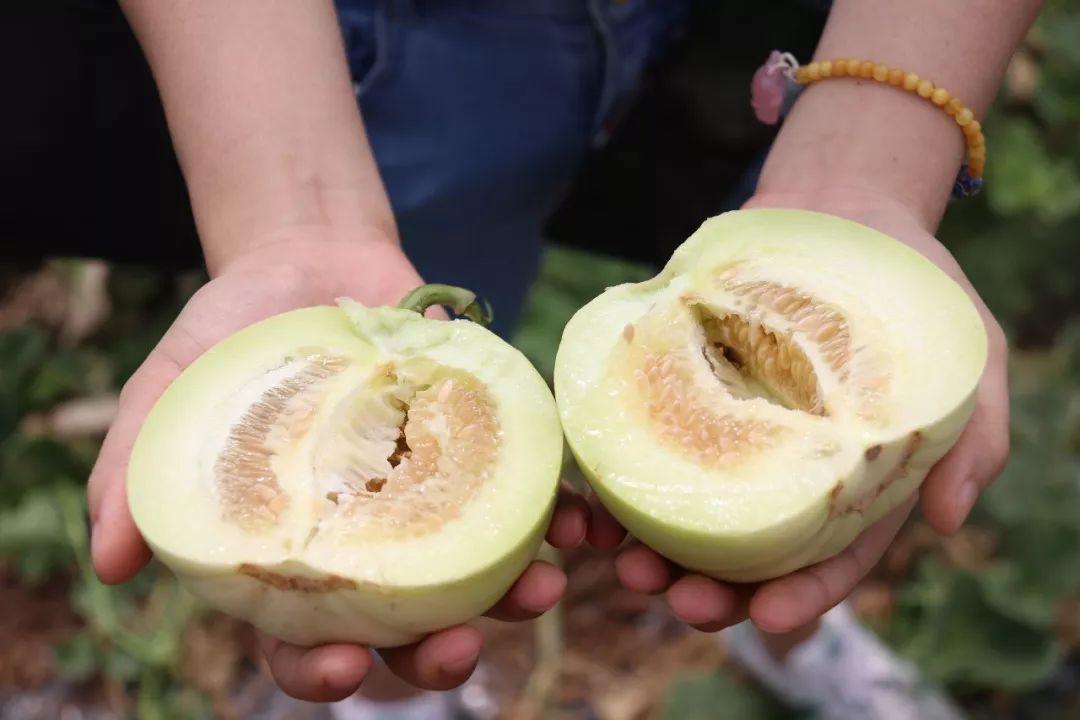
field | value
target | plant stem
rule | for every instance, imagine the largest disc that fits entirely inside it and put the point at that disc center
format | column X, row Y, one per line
column 461, row 301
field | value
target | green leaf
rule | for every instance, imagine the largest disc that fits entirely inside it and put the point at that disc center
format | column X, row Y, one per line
column 27, row 463
column 1058, row 28
column 1055, row 474
column 32, row 532
column 121, row 666
column 185, row 702
column 22, row 351
column 77, row 658
column 67, row 373
column 1035, row 503
column 1027, row 271
column 1025, row 178
column 34, row 521
column 717, row 697
column 1006, row 588
column 958, row 636
column 1057, row 95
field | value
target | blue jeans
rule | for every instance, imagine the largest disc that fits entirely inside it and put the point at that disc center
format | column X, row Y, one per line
column 479, row 112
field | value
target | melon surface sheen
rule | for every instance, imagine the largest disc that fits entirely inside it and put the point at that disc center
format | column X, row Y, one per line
column 788, row 378
column 350, row 474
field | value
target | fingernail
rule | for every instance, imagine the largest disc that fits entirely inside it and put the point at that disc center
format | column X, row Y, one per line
column 965, row 500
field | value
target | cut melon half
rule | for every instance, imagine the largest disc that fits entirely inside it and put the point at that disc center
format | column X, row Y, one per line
column 349, row 473
column 787, row 379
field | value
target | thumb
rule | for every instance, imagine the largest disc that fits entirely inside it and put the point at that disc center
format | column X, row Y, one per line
column 116, row 547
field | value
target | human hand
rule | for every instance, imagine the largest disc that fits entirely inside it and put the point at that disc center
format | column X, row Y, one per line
column 304, row 267
column 947, row 494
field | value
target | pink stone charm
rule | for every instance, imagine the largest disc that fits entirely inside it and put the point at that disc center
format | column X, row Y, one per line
column 768, row 87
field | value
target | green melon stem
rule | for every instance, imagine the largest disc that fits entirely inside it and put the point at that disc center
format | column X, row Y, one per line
column 459, row 300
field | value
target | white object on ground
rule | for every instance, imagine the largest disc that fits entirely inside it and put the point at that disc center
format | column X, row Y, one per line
column 841, row 672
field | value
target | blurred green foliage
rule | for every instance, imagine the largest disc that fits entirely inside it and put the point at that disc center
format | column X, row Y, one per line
column 715, row 696
column 132, row 633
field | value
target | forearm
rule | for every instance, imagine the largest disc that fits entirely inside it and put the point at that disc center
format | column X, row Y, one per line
column 263, row 118
column 858, row 137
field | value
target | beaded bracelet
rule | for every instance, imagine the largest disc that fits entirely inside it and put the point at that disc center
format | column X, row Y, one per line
column 780, row 79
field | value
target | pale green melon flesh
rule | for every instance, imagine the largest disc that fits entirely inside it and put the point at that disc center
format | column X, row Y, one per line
column 272, row 475
column 785, row 381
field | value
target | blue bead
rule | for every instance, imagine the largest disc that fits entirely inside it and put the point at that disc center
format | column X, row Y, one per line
column 965, row 185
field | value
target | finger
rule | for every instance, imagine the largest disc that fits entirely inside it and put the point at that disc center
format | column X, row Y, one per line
column 538, row 590
column 320, row 674
column 643, row 570
column 117, row 549
column 570, row 519
column 706, row 604
column 796, row 599
column 605, row 532
column 440, row 661
column 138, row 396
column 950, row 490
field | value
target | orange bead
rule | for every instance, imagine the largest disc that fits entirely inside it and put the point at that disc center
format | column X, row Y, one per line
column 813, row 71
column 896, row 76
column 972, row 129
column 977, row 153
column 925, row 88
column 940, row 96
column 964, row 116
column 911, row 81
column 839, row 68
column 826, row 68
column 802, row 75
column 953, row 106
column 976, row 168
column 977, row 141
column 866, row 69
column 881, row 72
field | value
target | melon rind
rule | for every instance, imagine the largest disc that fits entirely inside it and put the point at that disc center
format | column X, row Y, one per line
column 384, row 593
column 776, row 512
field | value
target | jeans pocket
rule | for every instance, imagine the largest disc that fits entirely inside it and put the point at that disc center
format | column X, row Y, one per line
column 366, row 33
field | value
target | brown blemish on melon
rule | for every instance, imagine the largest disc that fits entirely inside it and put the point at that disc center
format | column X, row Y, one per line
column 899, row 471
column 297, row 583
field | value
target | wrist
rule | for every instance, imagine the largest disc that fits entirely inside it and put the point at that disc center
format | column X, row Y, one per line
column 854, row 202
column 287, row 216
column 361, row 262
column 866, row 136
column 305, row 245
column 898, row 150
